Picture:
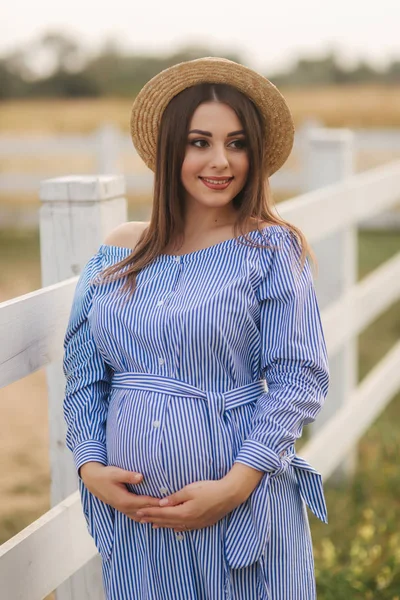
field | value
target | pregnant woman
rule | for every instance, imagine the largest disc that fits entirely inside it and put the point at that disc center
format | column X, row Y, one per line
column 194, row 355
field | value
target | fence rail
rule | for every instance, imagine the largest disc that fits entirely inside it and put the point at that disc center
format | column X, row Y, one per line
column 107, row 145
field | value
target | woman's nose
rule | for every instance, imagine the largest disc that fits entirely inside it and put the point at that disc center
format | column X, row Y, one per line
column 219, row 157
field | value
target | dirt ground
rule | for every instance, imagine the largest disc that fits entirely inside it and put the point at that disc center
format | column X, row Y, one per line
column 24, row 461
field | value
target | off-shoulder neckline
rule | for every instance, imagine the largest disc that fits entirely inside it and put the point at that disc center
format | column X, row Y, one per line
column 122, row 250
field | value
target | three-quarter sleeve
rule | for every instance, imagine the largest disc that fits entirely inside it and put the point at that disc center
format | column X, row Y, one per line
column 87, row 375
column 294, row 358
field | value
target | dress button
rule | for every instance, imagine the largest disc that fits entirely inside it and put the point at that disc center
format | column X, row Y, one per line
column 179, row 537
column 156, row 423
column 160, row 302
column 178, row 259
column 161, row 361
column 163, row 490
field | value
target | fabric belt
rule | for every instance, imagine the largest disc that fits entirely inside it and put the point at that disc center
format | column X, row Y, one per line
column 252, row 518
column 169, row 385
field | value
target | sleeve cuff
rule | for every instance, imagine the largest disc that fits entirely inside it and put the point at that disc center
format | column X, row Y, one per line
column 90, row 450
column 256, row 455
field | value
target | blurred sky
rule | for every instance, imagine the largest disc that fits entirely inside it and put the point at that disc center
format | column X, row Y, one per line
column 268, row 35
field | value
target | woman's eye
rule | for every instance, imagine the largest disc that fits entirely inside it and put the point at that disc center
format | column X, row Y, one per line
column 242, row 143
column 194, row 142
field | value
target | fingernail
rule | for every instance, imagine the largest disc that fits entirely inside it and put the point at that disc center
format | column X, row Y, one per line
column 139, row 514
column 136, row 477
column 164, row 501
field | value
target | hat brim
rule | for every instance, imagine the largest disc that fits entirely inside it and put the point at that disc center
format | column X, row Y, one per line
column 156, row 94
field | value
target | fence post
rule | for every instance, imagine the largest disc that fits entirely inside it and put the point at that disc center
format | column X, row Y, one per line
column 108, row 149
column 76, row 214
column 329, row 159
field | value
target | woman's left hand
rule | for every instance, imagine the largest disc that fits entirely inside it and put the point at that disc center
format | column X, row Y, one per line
column 197, row 505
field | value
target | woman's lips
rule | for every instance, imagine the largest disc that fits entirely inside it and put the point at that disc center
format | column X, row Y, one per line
column 217, row 186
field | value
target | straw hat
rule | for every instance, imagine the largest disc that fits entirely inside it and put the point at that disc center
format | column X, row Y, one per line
column 155, row 95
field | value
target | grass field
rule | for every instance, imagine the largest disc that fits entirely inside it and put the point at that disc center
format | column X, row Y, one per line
column 357, row 554
column 335, row 106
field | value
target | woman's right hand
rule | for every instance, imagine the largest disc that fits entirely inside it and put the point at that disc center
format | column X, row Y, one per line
column 108, row 484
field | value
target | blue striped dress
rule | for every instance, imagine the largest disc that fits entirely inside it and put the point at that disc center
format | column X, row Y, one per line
column 219, row 357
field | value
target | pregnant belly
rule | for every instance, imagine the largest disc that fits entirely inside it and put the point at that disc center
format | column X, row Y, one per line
column 166, row 438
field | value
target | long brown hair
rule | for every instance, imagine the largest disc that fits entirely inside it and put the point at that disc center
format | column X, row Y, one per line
column 167, row 222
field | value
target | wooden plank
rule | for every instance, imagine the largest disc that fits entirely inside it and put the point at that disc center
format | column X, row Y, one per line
column 346, row 427
column 322, row 212
column 377, row 140
column 366, row 140
column 46, row 553
column 348, row 316
column 42, row 145
column 30, row 182
column 34, row 325
column 20, row 182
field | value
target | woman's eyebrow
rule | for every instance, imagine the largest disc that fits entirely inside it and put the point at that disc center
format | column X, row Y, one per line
column 209, row 134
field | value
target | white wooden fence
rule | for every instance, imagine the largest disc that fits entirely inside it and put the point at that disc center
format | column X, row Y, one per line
column 107, row 145
column 112, row 152
column 56, row 551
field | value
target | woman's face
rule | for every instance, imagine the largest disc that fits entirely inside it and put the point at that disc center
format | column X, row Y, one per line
column 216, row 149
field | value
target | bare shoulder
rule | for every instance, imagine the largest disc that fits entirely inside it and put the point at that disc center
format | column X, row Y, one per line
column 127, row 234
